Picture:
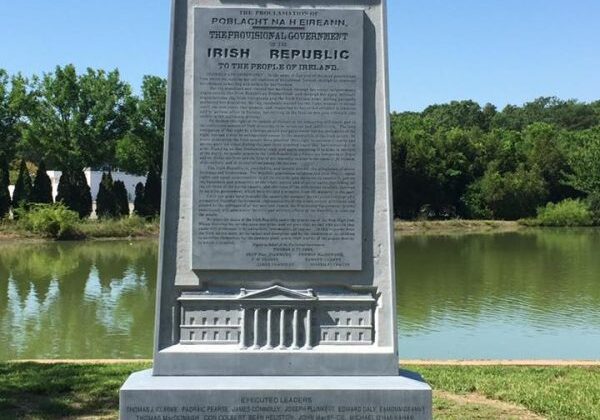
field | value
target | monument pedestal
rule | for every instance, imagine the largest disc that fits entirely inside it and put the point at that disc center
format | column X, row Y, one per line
column 147, row 397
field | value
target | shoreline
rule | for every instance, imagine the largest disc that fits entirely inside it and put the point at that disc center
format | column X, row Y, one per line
column 455, row 227
column 405, row 362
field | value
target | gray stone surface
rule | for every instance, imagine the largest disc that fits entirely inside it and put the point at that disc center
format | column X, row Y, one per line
column 147, row 397
column 368, row 251
column 277, row 166
column 276, row 290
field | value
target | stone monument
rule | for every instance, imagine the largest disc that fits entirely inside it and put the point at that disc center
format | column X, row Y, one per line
column 276, row 297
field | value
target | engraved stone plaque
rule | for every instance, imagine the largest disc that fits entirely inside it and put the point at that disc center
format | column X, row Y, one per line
column 277, row 139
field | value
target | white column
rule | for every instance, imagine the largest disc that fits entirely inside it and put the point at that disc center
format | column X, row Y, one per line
column 282, row 329
column 243, row 329
column 256, row 313
column 295, row 330
column 269, row 332
column 308, row 329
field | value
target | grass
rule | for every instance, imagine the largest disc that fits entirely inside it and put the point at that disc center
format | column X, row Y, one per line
column 54, row 391
column 131, row 227
column 551, row 392
column 51, row 391
column 454, row 227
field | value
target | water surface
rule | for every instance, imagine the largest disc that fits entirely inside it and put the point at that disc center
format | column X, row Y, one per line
column 525, row 295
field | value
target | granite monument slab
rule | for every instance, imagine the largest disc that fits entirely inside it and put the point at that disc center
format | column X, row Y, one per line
column 276, row 290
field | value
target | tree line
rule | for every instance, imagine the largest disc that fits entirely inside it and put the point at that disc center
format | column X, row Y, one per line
column 458, row 159
column 69, row 121
column 463, row 160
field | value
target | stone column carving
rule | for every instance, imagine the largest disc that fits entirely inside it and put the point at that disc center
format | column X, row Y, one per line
column 282, row 329
column 243, row 329
column 256, row 315
column 269, row 329
column 308, row 329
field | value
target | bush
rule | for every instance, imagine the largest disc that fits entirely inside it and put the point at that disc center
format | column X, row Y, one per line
column 568, row 212
column 53, row 221
column 134, row 226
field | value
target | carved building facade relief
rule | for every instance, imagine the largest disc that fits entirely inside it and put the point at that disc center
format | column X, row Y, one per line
column 277, row 318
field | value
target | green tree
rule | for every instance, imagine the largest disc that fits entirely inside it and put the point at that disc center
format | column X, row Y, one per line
column 15, row 101
column 4, row 193
column 141, row 150
column 510, row 195
column 545, row 151
column 78, row 119
column 42, row 186
column 139, row 203
column 23, row 188
column 459, row 114
column 106, row 204
column 121, row 198
column 585, row 163
column 152, row 192
column 74, row 192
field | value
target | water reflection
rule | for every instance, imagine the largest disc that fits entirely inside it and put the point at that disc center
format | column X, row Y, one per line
column 515, row 295
column 518, row 295
column 77, row 300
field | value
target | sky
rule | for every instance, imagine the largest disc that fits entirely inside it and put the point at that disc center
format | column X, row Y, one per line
column 497, row 51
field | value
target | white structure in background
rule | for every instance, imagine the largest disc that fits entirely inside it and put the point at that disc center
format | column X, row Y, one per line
column 94, row 178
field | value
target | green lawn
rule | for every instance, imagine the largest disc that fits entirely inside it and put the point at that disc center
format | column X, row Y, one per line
column 552, row 392
column 50, row 391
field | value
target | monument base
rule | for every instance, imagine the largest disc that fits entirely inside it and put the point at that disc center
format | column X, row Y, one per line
column 147, row 397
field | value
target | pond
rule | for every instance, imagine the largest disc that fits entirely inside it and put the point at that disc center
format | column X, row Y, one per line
column 526, row 295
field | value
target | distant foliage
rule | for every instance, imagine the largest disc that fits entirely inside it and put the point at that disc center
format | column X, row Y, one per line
column 459, row 159
column 42, row 186
column 74, row 192
column 463, row 160
column 121, row 199
column 23, row 188
column 566, row 213
column 53, row 221
column 4, row 192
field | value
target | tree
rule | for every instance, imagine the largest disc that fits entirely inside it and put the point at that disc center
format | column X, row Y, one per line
column 510, row 195
column 78, row 120
column 544, row 151
column 42, row 186
column 458, row 114
column 141, row 151
column 121, row 198
column 106, row 205
column 74, row 192
column 23, row 188
column 152, row 191
column 4, row 193
column 585, row 163
column 139, row 203
column 14, row 101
